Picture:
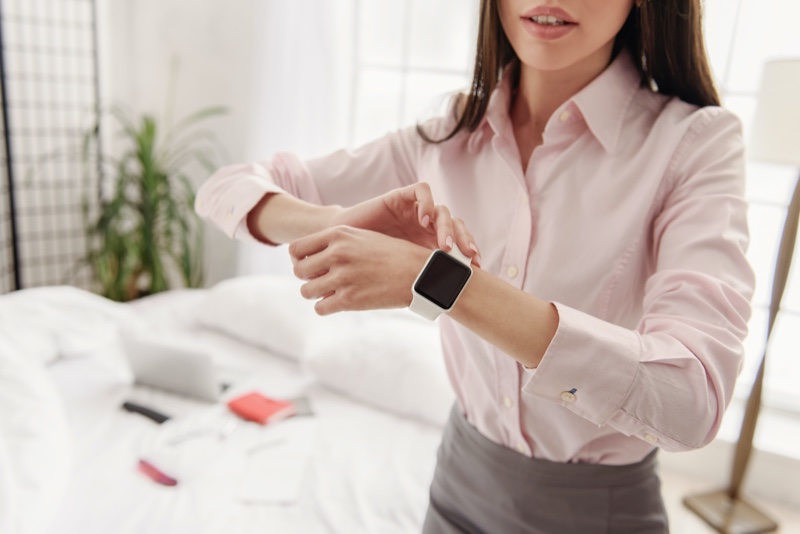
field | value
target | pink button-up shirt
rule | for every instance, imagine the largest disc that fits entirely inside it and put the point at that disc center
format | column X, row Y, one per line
column 630, row 218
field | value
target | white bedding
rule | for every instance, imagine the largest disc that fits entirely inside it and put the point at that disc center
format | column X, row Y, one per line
column 350, row 468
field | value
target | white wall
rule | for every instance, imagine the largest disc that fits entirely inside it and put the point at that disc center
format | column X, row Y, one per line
column 303, row 79
column 212, row 41
column 222, row 49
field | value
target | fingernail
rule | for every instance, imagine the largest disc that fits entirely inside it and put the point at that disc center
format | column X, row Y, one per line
column 425, row 221
column 478, row 260
column 474, row 248
column 449, row 242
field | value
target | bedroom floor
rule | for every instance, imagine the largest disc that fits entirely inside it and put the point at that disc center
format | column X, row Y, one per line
column 675, row 486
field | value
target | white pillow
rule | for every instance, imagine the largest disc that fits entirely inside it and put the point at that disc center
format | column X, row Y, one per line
column 265, row 311
column 35, row 446
column 47, row 322
column 389, row 361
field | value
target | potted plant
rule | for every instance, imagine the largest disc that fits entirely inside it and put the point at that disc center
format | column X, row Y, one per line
column 144, row 236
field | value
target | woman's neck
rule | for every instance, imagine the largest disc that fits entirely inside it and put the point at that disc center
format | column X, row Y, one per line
column 541, row 92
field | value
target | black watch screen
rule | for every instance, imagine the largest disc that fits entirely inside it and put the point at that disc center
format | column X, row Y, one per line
column 442, row 279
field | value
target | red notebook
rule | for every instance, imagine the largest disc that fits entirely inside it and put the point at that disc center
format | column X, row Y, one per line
column 260, row 408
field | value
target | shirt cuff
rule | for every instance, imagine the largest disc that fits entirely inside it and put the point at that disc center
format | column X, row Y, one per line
column 228, row 207
column 589, row 366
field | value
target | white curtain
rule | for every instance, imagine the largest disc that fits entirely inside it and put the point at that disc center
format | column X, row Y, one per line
column 341, row 73
column 302, row 88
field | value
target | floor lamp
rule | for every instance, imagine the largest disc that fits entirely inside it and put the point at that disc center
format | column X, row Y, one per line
column 775, row 139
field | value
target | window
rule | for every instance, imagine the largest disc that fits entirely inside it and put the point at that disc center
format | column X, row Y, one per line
column 740, row 40
column 408, row 57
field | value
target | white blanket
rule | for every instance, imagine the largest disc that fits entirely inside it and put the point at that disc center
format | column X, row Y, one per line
column 35, row 449
column 51, row 322
column 38, row 326
column 350, row 468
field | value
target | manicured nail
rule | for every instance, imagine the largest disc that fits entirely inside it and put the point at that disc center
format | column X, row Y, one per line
column 449, row 242
column 478, row 260
column 474, row 248
column 425, row 221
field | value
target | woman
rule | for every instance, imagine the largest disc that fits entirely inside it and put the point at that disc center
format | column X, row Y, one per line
column 610, row 294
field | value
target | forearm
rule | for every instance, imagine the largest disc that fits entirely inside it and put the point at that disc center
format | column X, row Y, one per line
column 347, row 268
column 280, row 218
column 516, row 322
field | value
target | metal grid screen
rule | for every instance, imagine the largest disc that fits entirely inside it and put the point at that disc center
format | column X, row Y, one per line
column 50, row 84
column 7, row 252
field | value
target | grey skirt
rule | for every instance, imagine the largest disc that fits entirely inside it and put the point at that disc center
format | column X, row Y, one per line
column 482, row 487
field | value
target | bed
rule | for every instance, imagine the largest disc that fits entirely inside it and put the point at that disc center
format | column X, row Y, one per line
column 362, row 462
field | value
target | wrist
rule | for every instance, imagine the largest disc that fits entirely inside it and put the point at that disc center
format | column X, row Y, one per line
column 331, row 216
column 281, row 218
column 440, row 283
column 255, row 220
column 416, row 260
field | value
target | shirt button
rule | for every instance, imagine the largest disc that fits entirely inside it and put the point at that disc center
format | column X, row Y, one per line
column 568, row 396
column 521, row 447
column 512, row 272
column 651, row 438
column 565, row 116
column 507, row 401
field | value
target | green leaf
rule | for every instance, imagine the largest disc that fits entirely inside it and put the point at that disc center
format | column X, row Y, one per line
column 143, row 232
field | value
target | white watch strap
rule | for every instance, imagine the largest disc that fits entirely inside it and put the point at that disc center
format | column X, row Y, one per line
column 422, row 306
column 460, row 256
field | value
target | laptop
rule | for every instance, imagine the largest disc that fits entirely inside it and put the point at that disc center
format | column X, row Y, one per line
column 172, row 366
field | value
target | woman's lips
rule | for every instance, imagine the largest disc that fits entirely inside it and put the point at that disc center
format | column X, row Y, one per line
column 549, row 11
column 548, row 31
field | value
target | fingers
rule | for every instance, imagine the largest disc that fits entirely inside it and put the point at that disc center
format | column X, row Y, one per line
column 420, row 195
column 452, row 231
column 314, row 243
column 356, row 269
column 425, row 207
column 323, row 290
column 318, row 288
column 329, row 304
column 312, row 266
column 444, row 227
column 466, row 241
column 314, row 259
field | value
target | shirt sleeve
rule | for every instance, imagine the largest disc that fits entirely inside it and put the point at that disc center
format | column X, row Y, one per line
column 345, row 177
column 669, row 380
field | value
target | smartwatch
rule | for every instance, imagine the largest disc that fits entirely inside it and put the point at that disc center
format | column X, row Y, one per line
column 440, row 283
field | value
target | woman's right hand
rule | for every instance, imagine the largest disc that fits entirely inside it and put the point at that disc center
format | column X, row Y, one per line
column 409, row 213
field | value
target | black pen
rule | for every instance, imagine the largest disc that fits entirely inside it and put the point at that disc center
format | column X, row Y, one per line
column 156, row 416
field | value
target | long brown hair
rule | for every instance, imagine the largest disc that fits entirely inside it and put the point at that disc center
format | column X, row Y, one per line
column 664, row 39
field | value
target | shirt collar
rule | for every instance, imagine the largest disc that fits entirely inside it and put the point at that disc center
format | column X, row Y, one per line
column 605, row 100
column 602, row 103
column 499, row 106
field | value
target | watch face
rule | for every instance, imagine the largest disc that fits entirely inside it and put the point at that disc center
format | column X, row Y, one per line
column 442, row 279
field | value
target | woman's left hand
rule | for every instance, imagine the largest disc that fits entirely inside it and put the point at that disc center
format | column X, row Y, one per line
column 348, row 268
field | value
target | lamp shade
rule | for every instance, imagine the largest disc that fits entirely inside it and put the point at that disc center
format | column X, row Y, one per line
column 776, row 127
